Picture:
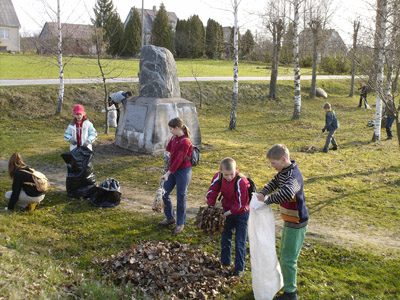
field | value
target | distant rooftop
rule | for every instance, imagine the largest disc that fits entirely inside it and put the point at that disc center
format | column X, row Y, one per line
column 8, row 16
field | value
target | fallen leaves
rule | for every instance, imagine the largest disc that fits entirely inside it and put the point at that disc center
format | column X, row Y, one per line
column 169, row 269
column 210, row 220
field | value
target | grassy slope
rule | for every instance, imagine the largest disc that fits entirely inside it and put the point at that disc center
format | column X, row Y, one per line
column 354, row 189
column 36, row 66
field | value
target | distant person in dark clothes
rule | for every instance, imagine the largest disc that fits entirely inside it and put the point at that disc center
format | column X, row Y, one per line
column 24, row 192
column 363, row 95
column 390, row 116
column 331, row 124
column 117, row 98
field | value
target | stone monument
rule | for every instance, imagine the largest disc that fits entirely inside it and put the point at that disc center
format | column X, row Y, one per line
column 143, row 124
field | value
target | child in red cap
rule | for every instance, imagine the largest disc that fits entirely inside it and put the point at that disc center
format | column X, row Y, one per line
column 80, row 132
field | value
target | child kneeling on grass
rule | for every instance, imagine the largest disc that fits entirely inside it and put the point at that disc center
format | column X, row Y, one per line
column 235, row 203
column 24, row 192
column 290, row 197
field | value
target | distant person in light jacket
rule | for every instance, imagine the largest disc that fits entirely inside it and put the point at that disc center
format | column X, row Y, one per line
column 80, row 132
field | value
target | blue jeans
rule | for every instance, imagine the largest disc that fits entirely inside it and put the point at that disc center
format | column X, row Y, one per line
column 330, row 138
column 238, row 222
column 389, row 123
column 181, row 178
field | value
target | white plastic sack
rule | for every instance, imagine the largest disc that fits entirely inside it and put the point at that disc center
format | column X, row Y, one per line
column 265, row 268
column 112, row 116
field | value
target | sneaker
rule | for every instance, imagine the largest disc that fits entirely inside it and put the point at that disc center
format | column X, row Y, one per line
column 334, row 148
column 389, row 137
column 368, row 107
column 325, row 150
column 32, row 206
column 166, row 222
column 178, row 229
column 238, row 273
column 287, row 296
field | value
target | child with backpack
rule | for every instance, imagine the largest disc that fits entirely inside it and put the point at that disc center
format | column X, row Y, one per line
column 235, row 204
column 24, row 190
column 80, row 132
column 290, row 197
column 180, row 149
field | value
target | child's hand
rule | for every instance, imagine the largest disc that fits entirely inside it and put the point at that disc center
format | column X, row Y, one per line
column 72, row 141
column 165, row 176
column 227, row 213
column 260, row 197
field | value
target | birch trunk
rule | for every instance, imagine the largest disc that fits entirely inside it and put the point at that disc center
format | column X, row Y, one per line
column 232, row 123
column 60, row 62
column 381, row 32
column 356, row 26
column 296, row 68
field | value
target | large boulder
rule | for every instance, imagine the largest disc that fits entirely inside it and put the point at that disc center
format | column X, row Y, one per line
column 321, row 93
column 158, row 77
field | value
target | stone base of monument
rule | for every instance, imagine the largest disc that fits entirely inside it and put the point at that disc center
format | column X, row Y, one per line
column 143, row 124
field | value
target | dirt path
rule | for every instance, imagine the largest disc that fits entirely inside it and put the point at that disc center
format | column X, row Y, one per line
column 379, row 241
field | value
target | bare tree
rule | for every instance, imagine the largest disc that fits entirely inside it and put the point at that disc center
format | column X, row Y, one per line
column 232, row 122
column 319, row 15
column 381, row 34
column 356, row 27
column 296, row 65
column 276, row 25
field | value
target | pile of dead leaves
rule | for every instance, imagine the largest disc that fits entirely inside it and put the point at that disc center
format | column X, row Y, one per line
column 169, row 270
column 210, row 220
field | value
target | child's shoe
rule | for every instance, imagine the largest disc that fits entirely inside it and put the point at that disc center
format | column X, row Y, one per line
column 325, row 150
column 32, row 206
column 287, row 296
column 178, row 229
column 334, row 148
column 166, row 222
column 238, row 273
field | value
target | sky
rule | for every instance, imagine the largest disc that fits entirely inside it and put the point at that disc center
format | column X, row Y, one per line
column 32, row 14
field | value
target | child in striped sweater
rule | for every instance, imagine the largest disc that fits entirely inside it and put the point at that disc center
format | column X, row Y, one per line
column 290, row 197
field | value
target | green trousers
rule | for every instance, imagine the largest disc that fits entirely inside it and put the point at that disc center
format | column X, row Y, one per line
column 291, row 243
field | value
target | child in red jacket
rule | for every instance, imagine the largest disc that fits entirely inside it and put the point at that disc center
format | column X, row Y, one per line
column 180, row 149
column 235, row 203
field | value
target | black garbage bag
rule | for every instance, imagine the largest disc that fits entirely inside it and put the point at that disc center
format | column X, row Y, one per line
column 107, row 194
column 81, row 180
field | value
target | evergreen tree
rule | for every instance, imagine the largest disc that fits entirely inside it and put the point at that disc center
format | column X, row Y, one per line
column 103, row 10
column 161, row 33
column 212, row 47
column 114, row 33
column 246, row 43
column 131, row 40
column 196, row 37
column 181, row 40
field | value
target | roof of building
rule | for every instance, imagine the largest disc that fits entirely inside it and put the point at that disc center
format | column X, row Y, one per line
column 78, row 31
column 8, row 16
column 149, row 16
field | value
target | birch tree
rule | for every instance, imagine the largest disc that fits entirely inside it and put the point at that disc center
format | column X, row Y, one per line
column 60, row 61
column 232, row 122
column 296, row 64
column 381, row 35
column 356, row 27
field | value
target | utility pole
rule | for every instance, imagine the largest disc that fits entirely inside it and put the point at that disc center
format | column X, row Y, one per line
column 142, row 23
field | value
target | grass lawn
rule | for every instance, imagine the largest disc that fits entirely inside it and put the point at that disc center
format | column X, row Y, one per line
column 18, row 66
column 352, row 246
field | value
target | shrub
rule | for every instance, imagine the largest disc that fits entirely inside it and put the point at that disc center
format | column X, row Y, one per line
column 334, row 65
